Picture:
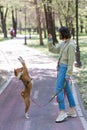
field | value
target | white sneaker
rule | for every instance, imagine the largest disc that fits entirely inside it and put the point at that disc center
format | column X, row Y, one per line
column 71, row 114
column 61, row 117
column 27, row 115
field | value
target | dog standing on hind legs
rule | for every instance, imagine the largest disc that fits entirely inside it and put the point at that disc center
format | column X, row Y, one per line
column 22, row 74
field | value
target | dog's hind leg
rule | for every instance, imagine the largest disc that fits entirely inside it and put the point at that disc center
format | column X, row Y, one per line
column 27, row 105
column 23, row 94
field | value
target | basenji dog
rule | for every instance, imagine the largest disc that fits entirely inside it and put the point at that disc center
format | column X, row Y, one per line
column 23, row 74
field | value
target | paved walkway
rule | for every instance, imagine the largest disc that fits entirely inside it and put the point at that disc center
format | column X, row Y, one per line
column 3, row 76
column 43, row 70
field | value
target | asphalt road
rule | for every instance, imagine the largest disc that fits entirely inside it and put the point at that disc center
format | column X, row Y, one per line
column 43, row 71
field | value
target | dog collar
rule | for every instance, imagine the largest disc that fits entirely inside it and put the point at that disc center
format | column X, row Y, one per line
column 29, row 81
column 19, row 75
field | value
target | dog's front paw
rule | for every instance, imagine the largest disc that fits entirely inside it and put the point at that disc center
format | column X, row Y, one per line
column 26, row 115
column 21, row 59
column 22, row 93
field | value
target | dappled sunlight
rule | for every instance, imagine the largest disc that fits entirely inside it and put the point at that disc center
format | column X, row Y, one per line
column 42, row 74
column 43, row 82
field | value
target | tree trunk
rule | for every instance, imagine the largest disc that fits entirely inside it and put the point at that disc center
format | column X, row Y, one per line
column 3, row 21
column 50, row 21
column 39, row 22
column 60, row 21
column 44, row 29
column 14, row 20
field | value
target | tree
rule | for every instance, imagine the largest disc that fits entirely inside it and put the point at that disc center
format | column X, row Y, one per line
column 14, row 19
column 3, row 13
column 38, row 22
column 4, row 8
column 50, row 20
column 65, row 12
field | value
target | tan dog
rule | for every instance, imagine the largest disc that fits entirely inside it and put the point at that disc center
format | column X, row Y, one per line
column 22, row 74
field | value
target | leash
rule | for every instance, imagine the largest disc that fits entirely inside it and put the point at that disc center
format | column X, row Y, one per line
column 39, row 105
column 54, row 96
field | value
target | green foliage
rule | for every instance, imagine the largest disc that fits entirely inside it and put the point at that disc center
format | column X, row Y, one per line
column 64, row 11
column 81, row 75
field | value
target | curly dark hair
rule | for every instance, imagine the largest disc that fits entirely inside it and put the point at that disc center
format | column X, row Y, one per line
column 64, row 32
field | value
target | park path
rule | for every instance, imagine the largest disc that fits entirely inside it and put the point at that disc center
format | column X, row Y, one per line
column 43, row 71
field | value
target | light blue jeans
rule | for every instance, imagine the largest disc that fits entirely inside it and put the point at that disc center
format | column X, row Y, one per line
column 60, row 86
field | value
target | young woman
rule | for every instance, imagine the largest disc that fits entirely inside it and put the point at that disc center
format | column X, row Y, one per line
column 66, row 51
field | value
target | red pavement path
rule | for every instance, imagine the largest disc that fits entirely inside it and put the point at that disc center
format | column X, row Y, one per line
column 12, row 106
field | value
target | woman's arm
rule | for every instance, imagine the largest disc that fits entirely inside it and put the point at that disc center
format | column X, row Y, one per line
column 52, row 48
column 71, row 58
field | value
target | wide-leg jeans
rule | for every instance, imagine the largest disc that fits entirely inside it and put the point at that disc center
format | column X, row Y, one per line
column 62, row 84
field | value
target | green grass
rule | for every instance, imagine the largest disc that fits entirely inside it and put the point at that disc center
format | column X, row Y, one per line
column 81, row 77
column 82, row 34
column 3, row 39
column 43, row 48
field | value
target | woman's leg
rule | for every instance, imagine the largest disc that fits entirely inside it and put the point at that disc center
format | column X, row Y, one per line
column 70, row 94
column 71, row 100
column 60, row 90
column 60, row 87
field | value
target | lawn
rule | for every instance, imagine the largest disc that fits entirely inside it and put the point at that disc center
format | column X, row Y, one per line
column 81, row 77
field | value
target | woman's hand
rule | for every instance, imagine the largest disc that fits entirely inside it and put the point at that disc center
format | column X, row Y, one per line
column 50, row 35
column 67, row 77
